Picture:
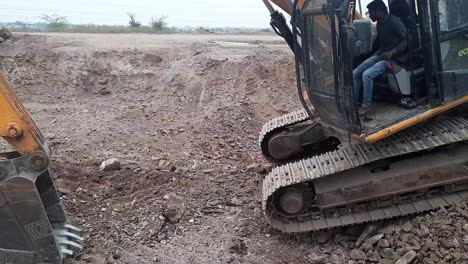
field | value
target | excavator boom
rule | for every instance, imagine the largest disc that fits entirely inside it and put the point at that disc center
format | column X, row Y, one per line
column 33, row 221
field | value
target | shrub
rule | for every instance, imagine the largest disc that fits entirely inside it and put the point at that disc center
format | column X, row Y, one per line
column 132, row 20
column 55, row 21
column 158, row 23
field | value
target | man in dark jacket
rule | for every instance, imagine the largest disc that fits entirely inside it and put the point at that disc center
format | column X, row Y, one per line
column 391, row 44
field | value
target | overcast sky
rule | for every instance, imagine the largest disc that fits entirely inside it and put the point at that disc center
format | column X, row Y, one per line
column 211, row 13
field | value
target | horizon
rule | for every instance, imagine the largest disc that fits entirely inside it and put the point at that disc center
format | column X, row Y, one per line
column 200, row 13
column 205, row 13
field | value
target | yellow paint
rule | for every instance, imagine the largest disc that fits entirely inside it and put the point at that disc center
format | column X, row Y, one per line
column 410, row 121
column 13, row 117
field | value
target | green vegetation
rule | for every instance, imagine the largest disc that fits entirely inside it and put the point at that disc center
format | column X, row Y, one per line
column 55, row 21
column 158, row 23
column 132, row 20
column 58, row 23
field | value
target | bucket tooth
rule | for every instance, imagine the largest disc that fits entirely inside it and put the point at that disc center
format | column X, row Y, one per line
column 65, row 233
column 70, row 227
column 66, row 251
column 67, row 242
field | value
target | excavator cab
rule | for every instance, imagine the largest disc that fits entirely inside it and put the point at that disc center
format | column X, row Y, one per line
column 32, row 219
column 330, row 41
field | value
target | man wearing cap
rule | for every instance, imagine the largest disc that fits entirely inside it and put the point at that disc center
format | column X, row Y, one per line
column 391, row 44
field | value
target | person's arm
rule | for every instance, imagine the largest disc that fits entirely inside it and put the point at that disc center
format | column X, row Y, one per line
column 376, row 46
column 401, row 34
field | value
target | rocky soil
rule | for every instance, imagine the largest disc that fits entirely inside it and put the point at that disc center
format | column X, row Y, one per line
column 181, row 114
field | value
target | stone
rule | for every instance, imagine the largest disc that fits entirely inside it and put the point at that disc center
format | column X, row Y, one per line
column 369, row 230
column 116, row 255
column 373, row 256
column 238, row 246
column 383, row 243
column 104, row 91
column 5, row 33
column 103, row 81
column 335, row 258
column 370, row 242
column 235, row 202
column 462, row 212
column 456, row 243
column 323, row 236
column 1, row 39
column 388, row 230
column 253, row 166
column 358, row 254
column 424, row 230
column 110, row 165
column 388, row 253
column 407, row 258
column 265, row 168
column 448, row 244
column 174, row 208
column 407, row 226
column 316, row 258
column 465, row 227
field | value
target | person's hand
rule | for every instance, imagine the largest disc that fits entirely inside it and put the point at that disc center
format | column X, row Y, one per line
column 386, row 55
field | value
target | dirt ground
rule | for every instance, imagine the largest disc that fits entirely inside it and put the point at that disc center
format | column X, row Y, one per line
column 182, row 113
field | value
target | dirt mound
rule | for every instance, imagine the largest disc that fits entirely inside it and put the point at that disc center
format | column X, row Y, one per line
column 181, row 120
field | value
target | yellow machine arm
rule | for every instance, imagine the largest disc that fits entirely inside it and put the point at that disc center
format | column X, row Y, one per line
column 16, row 126
column 32, row 219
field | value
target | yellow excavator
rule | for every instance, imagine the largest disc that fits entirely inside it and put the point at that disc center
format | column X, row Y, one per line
column 409, row 154
column 32, row 219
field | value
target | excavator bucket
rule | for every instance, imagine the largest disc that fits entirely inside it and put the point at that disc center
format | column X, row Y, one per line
column 33, row 224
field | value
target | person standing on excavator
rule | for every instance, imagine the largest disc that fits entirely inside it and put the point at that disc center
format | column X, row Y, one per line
column 391, row 45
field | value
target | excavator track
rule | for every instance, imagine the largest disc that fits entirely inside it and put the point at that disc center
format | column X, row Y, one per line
column 281, row 122
column 346, row 158
column 277, row 125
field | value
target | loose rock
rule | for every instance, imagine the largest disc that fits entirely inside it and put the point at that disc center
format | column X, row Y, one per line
column 383, row 243
column 323, row 236
column 407, row 226
column 110, row 164
column 407, row 258
column 369, row 230
column 5, row 33
column 370, row 242
column 174, row 208
column 315, row 258
column 238, row 246
column 358, row 254
column 388, row 253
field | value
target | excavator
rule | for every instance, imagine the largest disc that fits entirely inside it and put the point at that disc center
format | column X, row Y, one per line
column 33, row 222
column 336, row 167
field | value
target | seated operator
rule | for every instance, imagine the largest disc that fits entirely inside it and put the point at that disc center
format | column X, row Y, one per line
column 391, row 44
column 401, row 9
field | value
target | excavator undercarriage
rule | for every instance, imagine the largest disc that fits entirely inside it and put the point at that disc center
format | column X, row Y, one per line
column 33, row 222
column 417, row 170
